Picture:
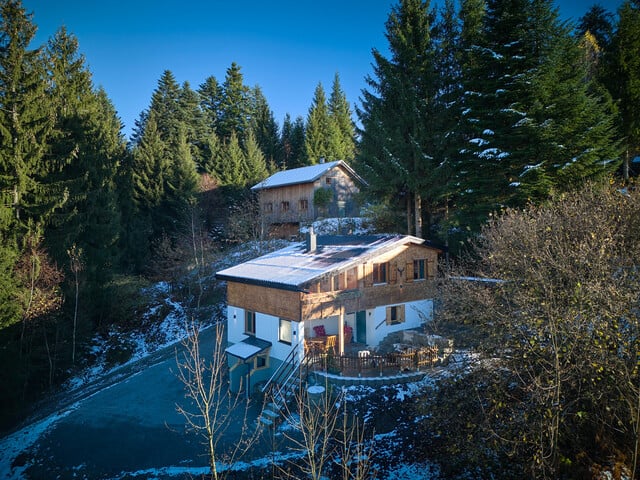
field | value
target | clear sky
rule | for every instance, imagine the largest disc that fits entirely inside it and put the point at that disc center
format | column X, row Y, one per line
column 284, row 46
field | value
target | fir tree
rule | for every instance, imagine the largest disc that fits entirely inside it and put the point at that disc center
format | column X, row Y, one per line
column 232, row 161
column 624, row 79
column 599, row 23
column 165, row 105
column 397, row 153
column 25, row 125
column 255, row 165
column 340, row 115
column 26, row 198
column 534, row 123
column 210, row 94
column 193, row 121
column 212, row 152
column 234, row 107
column 180, row 184
column 88, row 146
column 292, row 144
column 264, row 127
column 149, row 168
column 317, row 134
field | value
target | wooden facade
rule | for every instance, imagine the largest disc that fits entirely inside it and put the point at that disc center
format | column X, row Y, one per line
column 293, row 203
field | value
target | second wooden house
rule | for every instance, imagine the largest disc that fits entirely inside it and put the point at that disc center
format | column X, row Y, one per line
column 301, row 195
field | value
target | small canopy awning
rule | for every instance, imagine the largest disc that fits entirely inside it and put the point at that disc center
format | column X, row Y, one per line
column 247, row 348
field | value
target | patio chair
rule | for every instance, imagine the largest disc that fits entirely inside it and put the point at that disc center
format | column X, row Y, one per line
column 330, row 344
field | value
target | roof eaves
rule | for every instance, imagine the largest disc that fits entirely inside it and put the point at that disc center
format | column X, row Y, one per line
column 260, row 283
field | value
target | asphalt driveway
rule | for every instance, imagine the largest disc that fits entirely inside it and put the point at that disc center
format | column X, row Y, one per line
column 122, row 427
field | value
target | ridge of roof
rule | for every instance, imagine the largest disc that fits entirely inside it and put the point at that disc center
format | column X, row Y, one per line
column 306, row 174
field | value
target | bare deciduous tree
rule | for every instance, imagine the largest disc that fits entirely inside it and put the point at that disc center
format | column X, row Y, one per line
column 555, row 289
column 76, row 266
column 326, row 437
column 213, row 407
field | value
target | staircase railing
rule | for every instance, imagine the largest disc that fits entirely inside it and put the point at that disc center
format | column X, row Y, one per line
column 290, row 364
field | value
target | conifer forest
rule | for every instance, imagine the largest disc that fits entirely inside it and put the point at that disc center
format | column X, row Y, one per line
column 493, row 128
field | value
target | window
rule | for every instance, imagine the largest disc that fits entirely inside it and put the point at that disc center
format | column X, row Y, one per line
column 379, row 273
column 304, row 204
column 419, row 270
column 261, row 361
column 249, row 322
column 328, row 180
column 268, row 207
column 284, row 206
column 395, row 315
column 284, row 333
column 352, row 279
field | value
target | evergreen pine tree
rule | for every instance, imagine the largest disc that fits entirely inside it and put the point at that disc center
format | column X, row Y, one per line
column 26, row 198
column 193, row 120
column 232, row 161
column 212, row 152
column 149, row 168
column 317, row 134
column 165, row 105
column 25, row 124
column 624, row 79
column 397, row 145
column 210, row 97
column 264, row 127
column 340, row 115
column 599, row 23
column 180, row 184
column 88, row 145
column 255, row 164
column 235, row 106
column 292, row 144
column 533, row 120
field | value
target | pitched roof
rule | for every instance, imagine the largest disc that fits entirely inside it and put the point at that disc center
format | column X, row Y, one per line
column 294, row 268
column 303, row 175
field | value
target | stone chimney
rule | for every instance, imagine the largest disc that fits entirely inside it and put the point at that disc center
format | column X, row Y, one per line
column 312, row 240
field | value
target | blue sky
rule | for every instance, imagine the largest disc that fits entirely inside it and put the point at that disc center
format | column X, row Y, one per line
column 284, row 46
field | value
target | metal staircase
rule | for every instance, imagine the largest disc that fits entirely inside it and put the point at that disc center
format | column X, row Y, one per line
column 283, row 385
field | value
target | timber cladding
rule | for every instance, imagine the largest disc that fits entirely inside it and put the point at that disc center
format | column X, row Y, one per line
column 279, row 303
column 285, row 203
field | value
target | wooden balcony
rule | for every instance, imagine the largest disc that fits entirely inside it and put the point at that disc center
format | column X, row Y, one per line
column 358, row 362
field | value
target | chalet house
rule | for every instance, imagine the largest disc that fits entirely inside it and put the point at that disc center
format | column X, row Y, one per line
column 353, row 289
column 288, row 198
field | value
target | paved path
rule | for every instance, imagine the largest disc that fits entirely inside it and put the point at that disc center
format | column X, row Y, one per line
column 125, row 422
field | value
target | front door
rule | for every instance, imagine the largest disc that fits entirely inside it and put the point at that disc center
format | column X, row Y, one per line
column 361, row 327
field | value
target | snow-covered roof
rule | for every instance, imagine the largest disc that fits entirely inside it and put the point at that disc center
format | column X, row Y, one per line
column 295, row 268
column 303, row 175
column 247, row 348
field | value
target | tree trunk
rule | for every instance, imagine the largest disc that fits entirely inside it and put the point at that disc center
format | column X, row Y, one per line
column 625, row 166
column 408, row 213
column 418, row 214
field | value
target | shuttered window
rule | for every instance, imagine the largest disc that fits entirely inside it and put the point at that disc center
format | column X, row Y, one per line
column 395, row 315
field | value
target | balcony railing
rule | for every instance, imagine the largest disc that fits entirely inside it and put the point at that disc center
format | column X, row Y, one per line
column 370, row 364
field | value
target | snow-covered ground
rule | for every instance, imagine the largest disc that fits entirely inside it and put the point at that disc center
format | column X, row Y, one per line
column 172, row 329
